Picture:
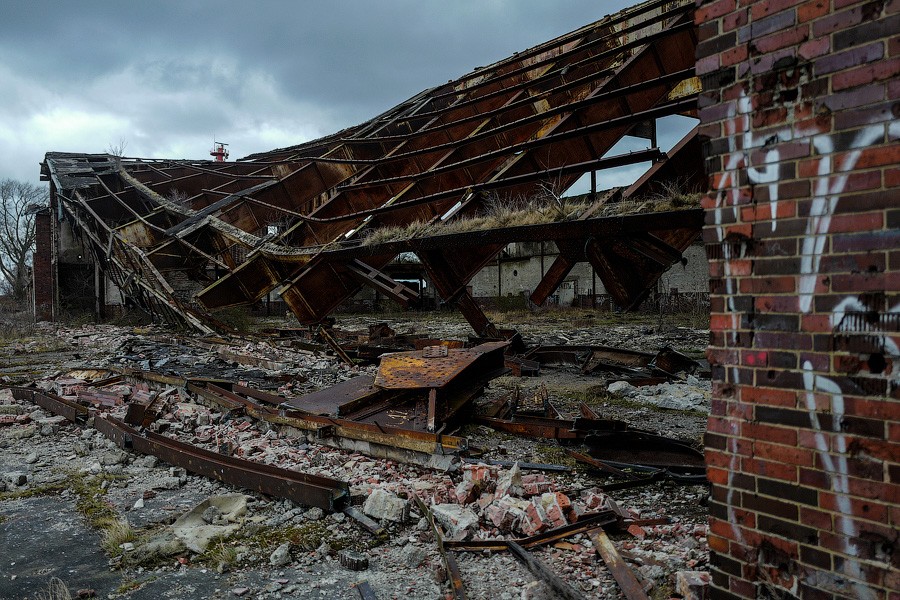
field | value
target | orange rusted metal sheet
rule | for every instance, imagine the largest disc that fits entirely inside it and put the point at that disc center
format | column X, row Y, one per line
column 436, row 366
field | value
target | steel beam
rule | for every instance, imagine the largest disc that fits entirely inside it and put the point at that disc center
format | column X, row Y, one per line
column 310, row 490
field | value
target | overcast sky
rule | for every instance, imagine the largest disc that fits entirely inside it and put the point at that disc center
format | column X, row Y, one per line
column 166, row 77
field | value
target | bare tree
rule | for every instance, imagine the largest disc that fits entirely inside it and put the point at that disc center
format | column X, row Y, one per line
column 18, row 203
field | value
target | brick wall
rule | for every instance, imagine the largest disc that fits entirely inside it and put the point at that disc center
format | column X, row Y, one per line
column 800, row 111
column 42, row 270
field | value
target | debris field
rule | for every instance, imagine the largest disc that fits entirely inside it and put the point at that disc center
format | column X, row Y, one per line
column 273, row 466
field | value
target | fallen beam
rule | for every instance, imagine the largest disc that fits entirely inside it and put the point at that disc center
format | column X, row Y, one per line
column 59, row 406
column 544, row 573
column 453, row 573
column 620, row 571
column 585, row 522
column 309, row 490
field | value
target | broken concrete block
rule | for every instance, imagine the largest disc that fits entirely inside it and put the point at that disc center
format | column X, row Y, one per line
column 167, row 483
column 113, row 457
column 281, row 556
column 457, row 520
column 382, row 504
column 692, row 585
column 15, row 478
column 195, row 533
column 622, row 388
column 413, row 556
column 506, row 513
column 314, row 514
column 23, row 432
column 466, row 492
column 510, row 482
column 212, row 514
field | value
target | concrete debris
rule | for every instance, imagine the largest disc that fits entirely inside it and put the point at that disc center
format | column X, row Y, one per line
column 458, row 522
column 196, row 532
column 475, row 502
column 692, row 585
column 692, row 394
column 384, row 505
column 281, row 556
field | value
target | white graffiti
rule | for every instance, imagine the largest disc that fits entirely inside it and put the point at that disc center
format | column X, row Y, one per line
column 830, row 183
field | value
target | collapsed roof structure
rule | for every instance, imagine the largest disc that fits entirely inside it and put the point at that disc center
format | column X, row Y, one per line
column 183, row 238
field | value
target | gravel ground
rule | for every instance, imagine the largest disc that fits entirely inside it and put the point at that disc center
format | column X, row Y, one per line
column 68, row 463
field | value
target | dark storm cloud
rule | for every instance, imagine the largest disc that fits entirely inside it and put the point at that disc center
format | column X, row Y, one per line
column 168, row 76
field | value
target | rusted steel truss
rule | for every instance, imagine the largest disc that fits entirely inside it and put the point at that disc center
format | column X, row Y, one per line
column 184, row 238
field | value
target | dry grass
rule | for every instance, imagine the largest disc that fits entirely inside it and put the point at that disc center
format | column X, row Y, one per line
column 115, row 533
column 56, row 590
column 497, row 214
column 673, row 195
column 537, row 210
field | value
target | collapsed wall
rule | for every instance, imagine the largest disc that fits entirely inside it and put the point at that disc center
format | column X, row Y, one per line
column 800, row 110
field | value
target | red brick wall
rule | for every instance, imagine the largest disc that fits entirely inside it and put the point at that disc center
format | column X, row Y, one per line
column 42, row 270
column 800, row 108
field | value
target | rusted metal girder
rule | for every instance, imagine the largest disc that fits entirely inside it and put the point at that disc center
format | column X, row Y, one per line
column 59, row 406
column 675, row 166
column 549, row 428
column 392, row 442
column 586, row 522
column 310, row 490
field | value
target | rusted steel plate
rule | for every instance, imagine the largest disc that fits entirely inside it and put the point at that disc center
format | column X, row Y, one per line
column 311, row 490
column 418, row 370
column 643, row 448
column 330, row 400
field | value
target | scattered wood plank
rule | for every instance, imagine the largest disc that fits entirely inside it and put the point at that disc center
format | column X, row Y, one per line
column 620, row 571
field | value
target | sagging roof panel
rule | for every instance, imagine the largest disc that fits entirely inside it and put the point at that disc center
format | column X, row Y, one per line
column 535, row 121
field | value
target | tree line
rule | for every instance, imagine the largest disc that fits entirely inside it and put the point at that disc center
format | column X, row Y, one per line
column 19, row 203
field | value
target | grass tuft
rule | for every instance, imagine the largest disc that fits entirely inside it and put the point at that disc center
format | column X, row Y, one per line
column 56, row 590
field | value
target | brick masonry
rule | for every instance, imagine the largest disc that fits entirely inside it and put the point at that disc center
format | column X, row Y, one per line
column 800, row 116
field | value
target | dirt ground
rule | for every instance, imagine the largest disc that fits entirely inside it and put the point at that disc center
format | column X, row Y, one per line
column 51, row 472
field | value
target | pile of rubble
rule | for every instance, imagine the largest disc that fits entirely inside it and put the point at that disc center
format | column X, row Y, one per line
column 478, row 508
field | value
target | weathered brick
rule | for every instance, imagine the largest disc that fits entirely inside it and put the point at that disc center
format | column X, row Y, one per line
column 846, row 98
column 849, row 58
column 872, row 71
column 775, row 22
column 714, row 10
column 870, row 30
